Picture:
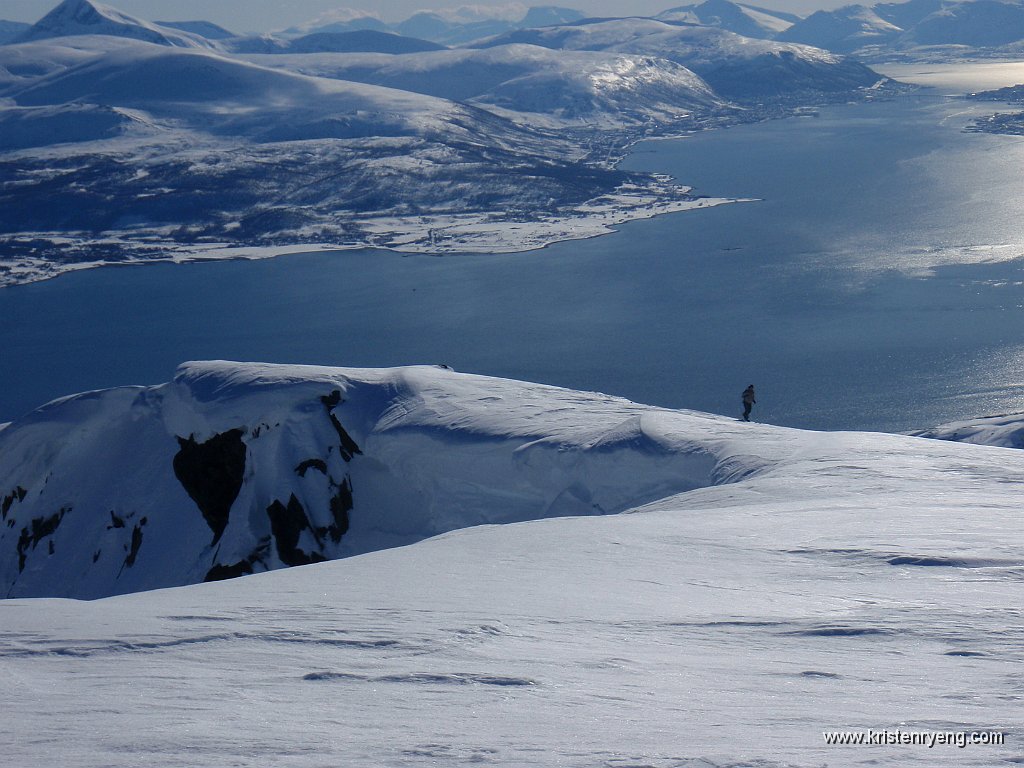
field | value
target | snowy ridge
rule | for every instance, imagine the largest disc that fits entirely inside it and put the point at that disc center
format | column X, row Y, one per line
column 271, row 461
column 238, row 468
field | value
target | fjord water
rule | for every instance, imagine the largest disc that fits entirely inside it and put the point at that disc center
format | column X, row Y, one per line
column 878, row 283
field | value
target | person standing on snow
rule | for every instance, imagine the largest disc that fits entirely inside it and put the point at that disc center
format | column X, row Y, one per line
column 748, row 401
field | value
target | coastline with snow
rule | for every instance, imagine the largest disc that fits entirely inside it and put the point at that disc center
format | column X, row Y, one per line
column 467, row 233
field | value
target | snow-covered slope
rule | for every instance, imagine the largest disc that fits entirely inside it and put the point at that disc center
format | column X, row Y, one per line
column 816, row 582
column 843, row 30
column 593, row 88
column 740, row 18
column 84, row 17
column 735, row 66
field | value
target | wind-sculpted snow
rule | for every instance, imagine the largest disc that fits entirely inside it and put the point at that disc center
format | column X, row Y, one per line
column 778, row 584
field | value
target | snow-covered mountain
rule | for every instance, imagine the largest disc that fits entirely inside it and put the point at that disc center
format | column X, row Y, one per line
column 743, row 19
column 227, row 96
column 886, row 27
column 735, row 66
column 226, row 154
column 449, row 26
column 843, row 30
column 595, row 89
column 472, row 22
column 977, row 23
column 84, row 17
column 906, row 14
column 118, row 142
column 359, row 41
column 236, row 468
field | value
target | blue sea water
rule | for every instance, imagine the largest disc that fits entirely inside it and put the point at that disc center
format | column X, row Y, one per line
column 878, row 283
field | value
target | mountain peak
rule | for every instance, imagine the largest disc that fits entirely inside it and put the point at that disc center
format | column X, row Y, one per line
column 85, row 17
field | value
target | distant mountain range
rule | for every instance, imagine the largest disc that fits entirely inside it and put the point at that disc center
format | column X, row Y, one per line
column 905, row 26
column 972, row 24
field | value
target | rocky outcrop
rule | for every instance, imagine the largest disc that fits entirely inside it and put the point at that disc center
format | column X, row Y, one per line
column 211, row 473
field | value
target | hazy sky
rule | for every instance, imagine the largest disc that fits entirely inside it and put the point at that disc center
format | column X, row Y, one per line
column 264, row 15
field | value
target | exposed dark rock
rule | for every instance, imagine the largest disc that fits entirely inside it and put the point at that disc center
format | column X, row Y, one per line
column 41, row 528
column 52, row 550
column 212, row 473
column 129, row 561
column 115, row 521
column 286, row 524
column 341, row 505
column 233, row 571
column 96, row 555
column 348, row 445
column 6, row 502
column 311, row 464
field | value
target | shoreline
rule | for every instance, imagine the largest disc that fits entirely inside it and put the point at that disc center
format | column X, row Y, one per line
column 438, row 235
